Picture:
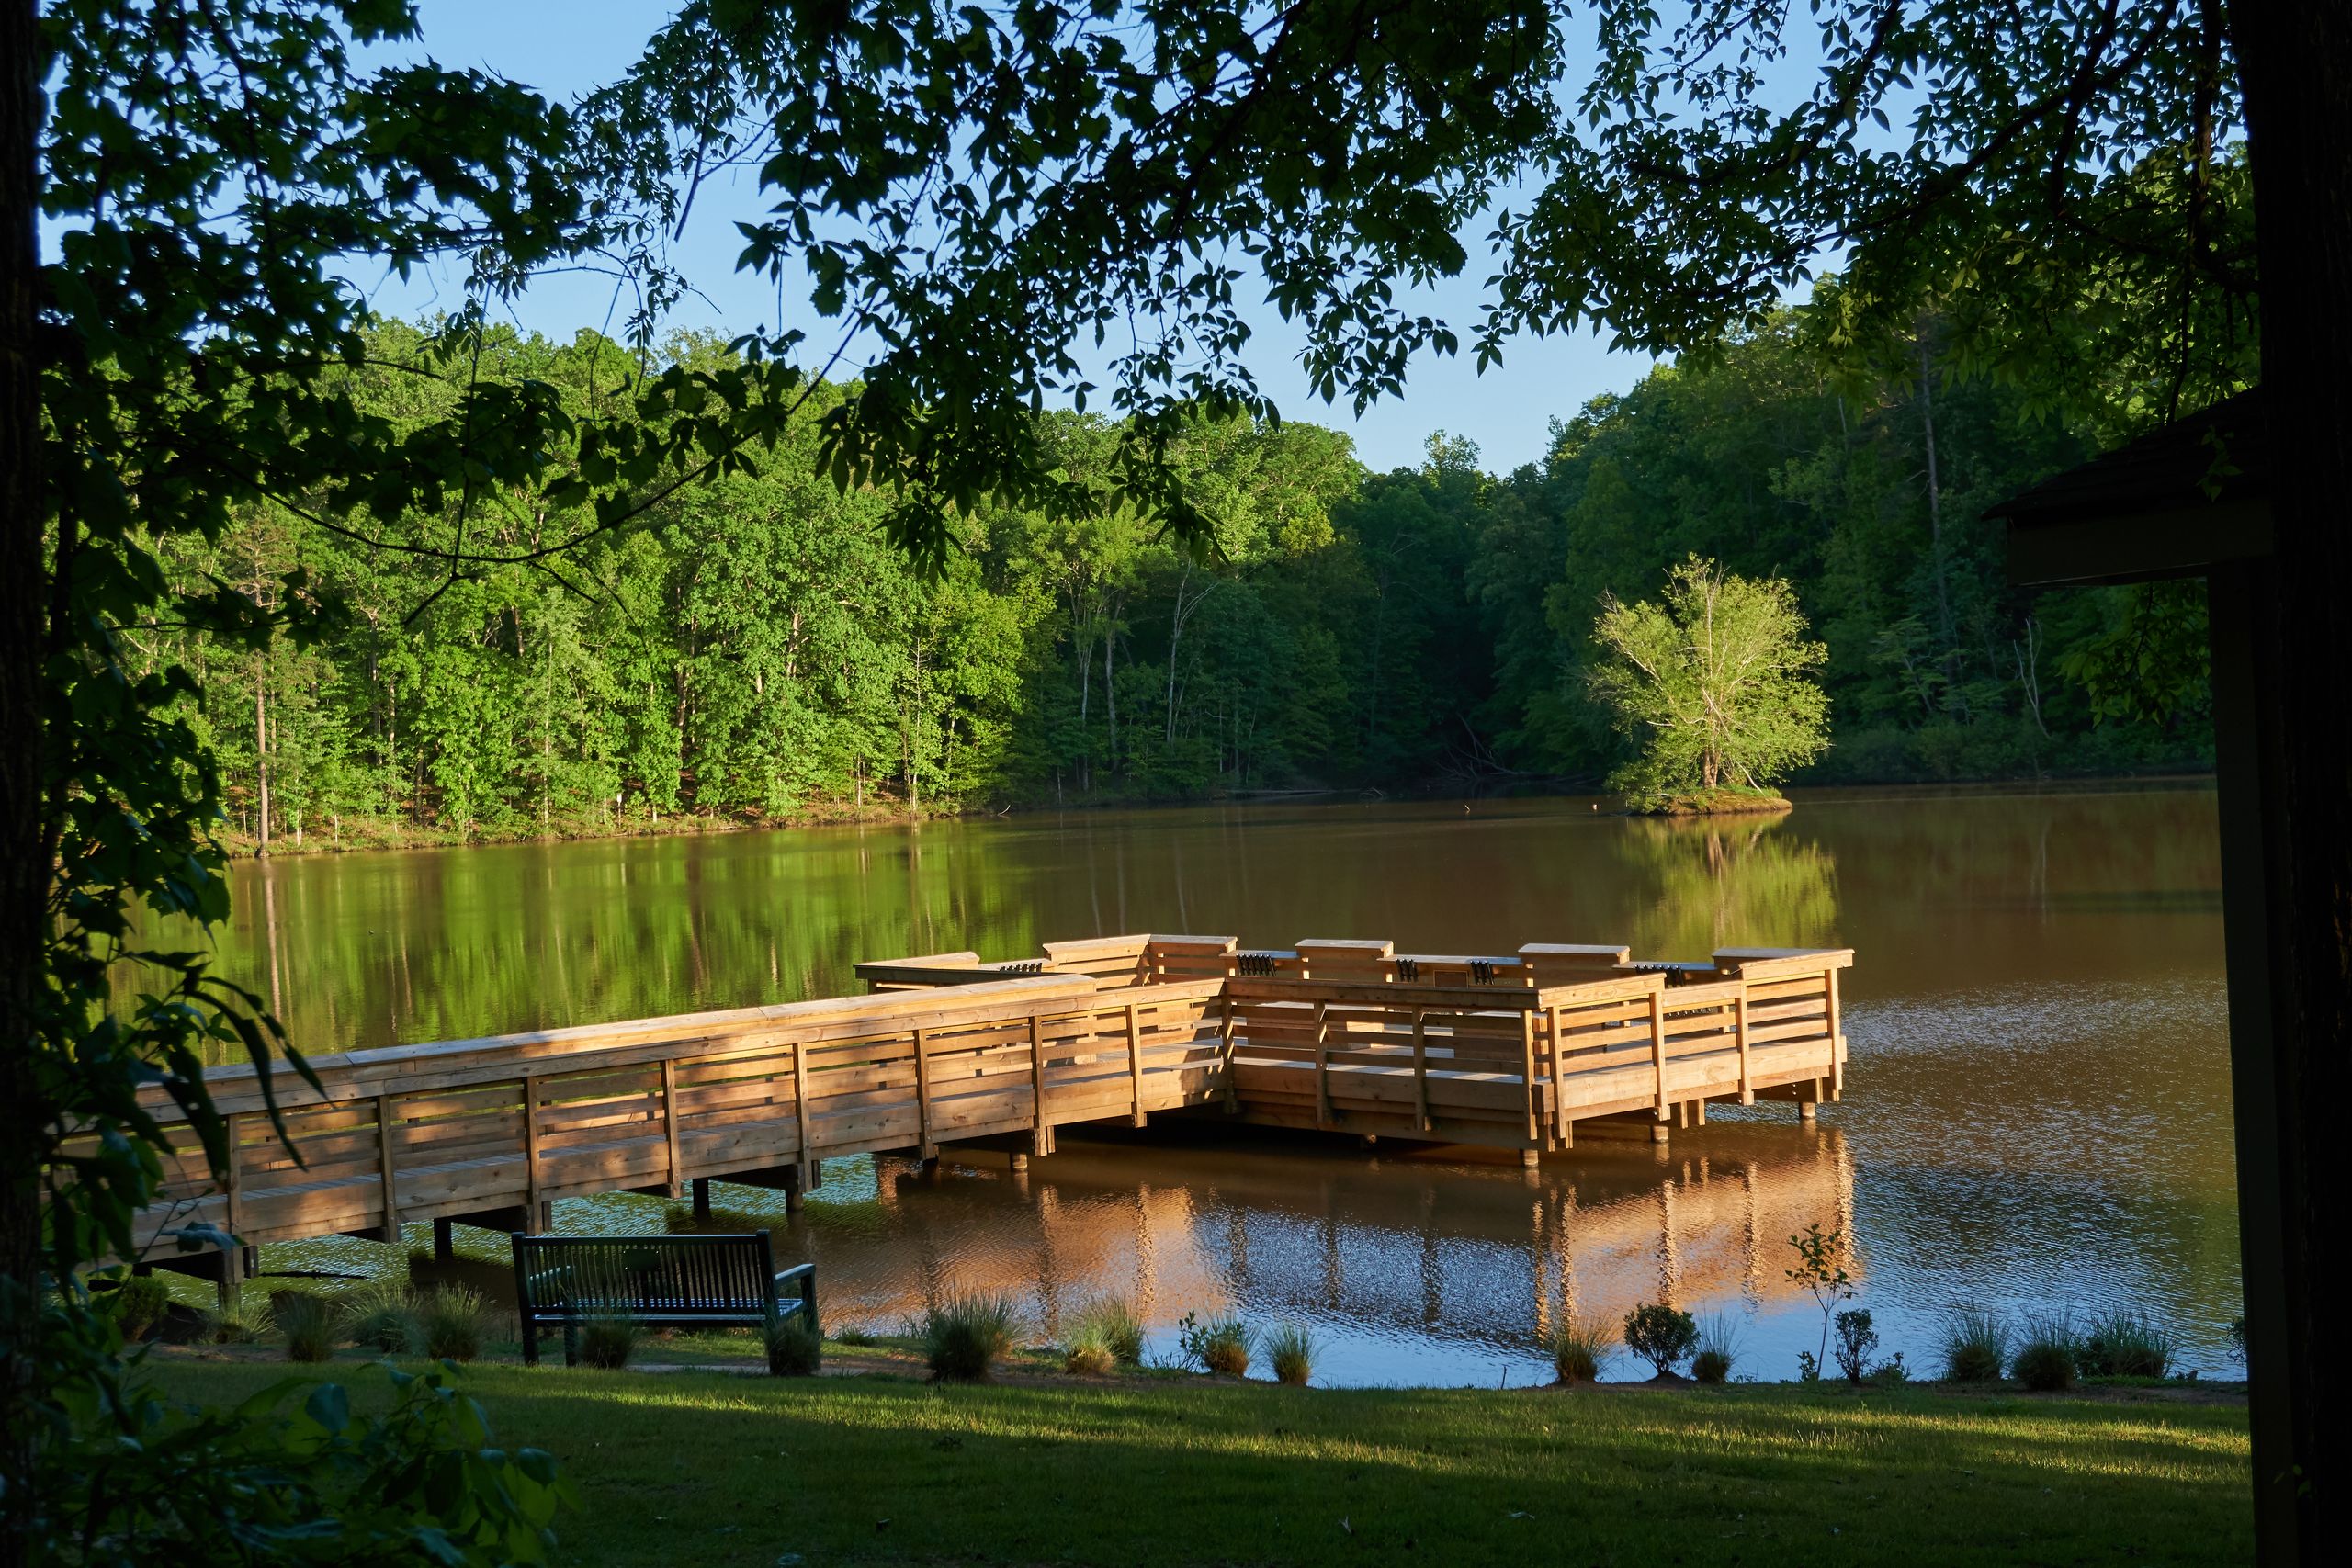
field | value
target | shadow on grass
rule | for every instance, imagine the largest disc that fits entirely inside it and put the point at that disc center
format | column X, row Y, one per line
column 718, row 1471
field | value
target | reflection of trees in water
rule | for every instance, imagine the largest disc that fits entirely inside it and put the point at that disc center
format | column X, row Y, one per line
column 1726, row 882
column 1471, row 1257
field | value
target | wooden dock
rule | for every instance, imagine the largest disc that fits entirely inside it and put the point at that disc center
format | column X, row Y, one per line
column 1348, row 1036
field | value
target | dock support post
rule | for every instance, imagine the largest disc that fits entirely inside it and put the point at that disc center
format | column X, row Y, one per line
column 700, row 1186
column 792, row 1182
column 444, row 1244
column 1660, row 1133
column 1020, row 1163
column 1806, row 1112
column 235, row 1266
column 1528, row 1158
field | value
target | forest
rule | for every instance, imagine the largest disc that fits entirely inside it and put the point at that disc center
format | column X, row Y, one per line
column 755, row 650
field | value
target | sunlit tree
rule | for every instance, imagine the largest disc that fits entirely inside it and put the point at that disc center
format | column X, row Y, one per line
column 1713, row 681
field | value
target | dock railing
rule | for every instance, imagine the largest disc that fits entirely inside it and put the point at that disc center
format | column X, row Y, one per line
column 1347, row 1036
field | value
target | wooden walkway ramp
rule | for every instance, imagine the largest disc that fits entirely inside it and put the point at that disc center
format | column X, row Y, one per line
column 1509, row 1051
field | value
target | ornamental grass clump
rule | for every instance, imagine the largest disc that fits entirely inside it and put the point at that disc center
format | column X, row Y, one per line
column 966, row 1335
column 310, row 1324
column 2047, row 1356
column 449, row 1323
column 1115, row 1324
column 1661, row 1336
column 1222, row 1345
column 607, row 1340
column 1577, row 1349
column 1290, row 1350
column 1976, row 1346
column 1087, row 1355
column 383, row 1318
column 795, row 1349
column 2125, row 1344
column 1718, row 1348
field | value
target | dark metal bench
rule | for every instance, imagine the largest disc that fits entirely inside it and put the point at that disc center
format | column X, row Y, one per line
column 702, row 1281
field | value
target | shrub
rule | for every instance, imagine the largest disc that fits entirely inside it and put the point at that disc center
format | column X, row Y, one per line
column 449, row 1324
column 2125, row 1345
column 1976, row 1346
column 1856, row 1341
column 794, row 1347
column 1221, row 1345
column 383, row 1317
column 2235, row 1329
column 966, row 1335
column 308, row 1322
column 856, row 1338
column 1290, row 1350
column 607, row 1340
column 1087, row 1355
column 138, row 1306
column 1660, row 1334
column 1577, row 1351
column 1718, row 1348
column 1114, row 1323
column 2045, row 1360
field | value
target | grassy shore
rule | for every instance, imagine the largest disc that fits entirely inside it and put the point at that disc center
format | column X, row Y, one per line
column 716, row 1470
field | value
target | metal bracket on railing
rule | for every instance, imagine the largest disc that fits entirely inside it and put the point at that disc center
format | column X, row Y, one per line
column 1482, row 972
column 1257, row 966
column 1408, row 970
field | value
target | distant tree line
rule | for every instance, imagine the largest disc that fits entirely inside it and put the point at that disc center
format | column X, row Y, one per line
column 757, row 649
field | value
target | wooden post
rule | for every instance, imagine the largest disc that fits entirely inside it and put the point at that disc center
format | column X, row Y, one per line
column 1040, row 1134
column 700, row 1187
column 1836, row 1041
column 793, row 1181
column 1739, row 1028
column 800, row 1099
column 1135, row 1065
column 1224, row 1048
column 1421, row 1067
column 1559, row 1074
column 1658, row 1051
column 384, row 1153
column 1527, row 1074
column 669, row 1124
column 1323, row 1117
column 922, row 1100
column 533, row 1218
column 234, row 1133
column 444, row 1241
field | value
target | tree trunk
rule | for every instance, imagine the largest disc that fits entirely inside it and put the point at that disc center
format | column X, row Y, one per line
column 261, row 752
column 2296, row 63
column 24, row 815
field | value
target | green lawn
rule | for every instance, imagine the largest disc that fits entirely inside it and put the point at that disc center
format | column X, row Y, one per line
column 712, row 1471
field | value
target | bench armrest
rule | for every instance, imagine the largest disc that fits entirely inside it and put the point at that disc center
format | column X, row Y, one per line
column 804, row 1277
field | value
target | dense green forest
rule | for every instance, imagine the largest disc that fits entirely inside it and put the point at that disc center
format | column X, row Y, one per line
column 756, row 649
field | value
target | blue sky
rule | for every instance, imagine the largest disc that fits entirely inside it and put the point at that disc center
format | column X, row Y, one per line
column 563, row 47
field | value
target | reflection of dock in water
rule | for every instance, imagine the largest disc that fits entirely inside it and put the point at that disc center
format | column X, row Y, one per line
column 1481, row 1253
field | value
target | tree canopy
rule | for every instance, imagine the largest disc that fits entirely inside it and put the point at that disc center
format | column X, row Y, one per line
column 1713, row 681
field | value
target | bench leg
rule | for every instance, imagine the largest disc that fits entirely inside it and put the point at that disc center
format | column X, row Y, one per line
column 530, row 1344
column 571, row 1341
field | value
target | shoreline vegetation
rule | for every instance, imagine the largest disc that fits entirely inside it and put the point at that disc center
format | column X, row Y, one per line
column 1723, row 801
column 354, row 835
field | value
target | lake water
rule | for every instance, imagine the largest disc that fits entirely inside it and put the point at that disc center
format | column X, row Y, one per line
column 2036, row 1111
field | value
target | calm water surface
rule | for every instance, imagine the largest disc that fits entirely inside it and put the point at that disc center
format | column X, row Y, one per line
column 2037, row 1113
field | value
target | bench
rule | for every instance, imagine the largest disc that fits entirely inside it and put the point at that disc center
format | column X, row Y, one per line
column 668, row 1281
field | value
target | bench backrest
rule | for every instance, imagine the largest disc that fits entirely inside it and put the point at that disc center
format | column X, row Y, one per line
column 674, row 1275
